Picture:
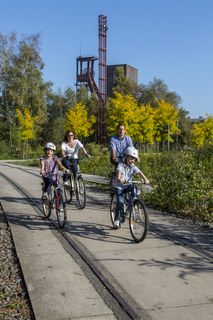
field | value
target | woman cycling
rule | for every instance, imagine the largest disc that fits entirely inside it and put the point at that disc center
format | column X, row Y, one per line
column 69, row 150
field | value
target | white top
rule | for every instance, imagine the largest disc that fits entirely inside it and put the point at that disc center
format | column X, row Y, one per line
column 127, row 172
column 72, row 151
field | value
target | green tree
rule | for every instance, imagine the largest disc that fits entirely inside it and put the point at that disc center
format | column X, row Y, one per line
column 21, row 82
column 124, row 85
column 157, row 90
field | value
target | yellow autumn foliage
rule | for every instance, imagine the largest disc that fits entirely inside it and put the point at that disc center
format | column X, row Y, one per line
column 202, row 132
column 122, row 109
column 77, row 119
column 26, row 125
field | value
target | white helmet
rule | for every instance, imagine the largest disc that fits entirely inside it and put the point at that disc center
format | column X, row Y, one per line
column 50, row 145
column 131, row 151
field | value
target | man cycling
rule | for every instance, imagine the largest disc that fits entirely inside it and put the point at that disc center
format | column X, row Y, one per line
column 118, row 144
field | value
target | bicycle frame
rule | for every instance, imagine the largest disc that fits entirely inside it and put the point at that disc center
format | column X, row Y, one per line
column 77, row 186
column 128, row 197
column 135, row 210
column 55, row 199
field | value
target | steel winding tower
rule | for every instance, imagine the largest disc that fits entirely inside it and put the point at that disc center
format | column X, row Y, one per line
column 102, row 81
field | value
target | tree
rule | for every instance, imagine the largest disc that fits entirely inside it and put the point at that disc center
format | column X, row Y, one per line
column 166, row 116
column 146, row 124
column 124, row 85
column 157, row 90
column 202, row 133
column 25, row 129
column 123, row 109
column 77, row 119
column 21, row 82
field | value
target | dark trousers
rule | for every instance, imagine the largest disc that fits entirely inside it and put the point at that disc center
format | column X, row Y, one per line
column 120, row 200
column 72, row 165
column 47, row 183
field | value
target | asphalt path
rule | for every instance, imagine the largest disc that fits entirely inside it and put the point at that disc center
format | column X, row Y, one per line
column 168, row 276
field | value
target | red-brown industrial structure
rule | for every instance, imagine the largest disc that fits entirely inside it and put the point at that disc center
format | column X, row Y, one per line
column 102, row 64
column 85, row 76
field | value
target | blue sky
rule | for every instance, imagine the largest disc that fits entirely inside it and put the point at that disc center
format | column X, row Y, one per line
column 168, row 39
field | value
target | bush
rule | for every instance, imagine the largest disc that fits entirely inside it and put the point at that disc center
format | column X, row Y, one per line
column 99, row 163
column 183, row 184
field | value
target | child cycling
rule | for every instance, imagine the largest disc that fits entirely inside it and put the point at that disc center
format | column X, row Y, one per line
column 49, row 165
column 122, row 182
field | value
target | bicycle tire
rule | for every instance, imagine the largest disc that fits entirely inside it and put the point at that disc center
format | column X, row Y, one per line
column 61, row 211
column 47, row 206
column 68, row 190
column 113, row 203
column 138, row 221
column 81, row 192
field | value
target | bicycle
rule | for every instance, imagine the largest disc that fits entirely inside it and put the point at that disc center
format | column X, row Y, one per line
column 55, row 199
column 134, row 210
column 76, row 186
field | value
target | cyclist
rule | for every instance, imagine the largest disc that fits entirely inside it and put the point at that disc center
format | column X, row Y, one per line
column 118, row 144
column 69, row 149
column 122, row 181
column 49, row 164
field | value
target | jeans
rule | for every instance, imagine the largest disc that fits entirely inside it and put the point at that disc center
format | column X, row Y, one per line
column 119, row 215
column 47, row 183
column 72, row 165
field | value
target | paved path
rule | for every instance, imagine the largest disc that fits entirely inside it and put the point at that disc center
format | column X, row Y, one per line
column 163, row 279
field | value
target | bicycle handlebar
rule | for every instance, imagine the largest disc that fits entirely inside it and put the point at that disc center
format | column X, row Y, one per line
column 135, row 182
column 79, row 158
column 50, row 174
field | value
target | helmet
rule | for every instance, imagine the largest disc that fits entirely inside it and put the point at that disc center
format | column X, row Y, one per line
column 50, row 145
column 131, row 151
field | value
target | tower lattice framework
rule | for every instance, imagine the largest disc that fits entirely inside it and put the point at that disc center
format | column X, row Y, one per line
column 102, row 81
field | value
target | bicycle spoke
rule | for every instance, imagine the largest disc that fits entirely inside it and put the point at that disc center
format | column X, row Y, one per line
column 68, row 191
column 61, row 209
column 138, row 221
column 113, row 208
column 47, row 205
column 81, row 192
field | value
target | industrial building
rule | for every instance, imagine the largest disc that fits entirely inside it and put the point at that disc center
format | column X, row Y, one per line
column 130, row 73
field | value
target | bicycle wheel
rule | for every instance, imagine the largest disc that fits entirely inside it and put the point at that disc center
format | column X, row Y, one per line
column 112, row 189
column 138, row 221
column 61, row 211
column 68, row 190
column 47, row 205
column 113, row 203
column 81, row 192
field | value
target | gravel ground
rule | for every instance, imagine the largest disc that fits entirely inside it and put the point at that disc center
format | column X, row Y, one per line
column 14, row 301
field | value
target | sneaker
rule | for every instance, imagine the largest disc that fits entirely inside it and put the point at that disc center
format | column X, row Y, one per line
column 44, row 196
column 117, row 224
column 61, row 214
